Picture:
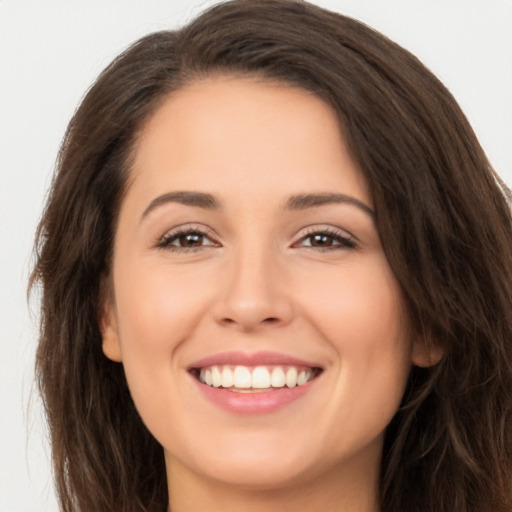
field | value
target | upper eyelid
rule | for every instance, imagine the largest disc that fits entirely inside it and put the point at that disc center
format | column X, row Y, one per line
column 345, row 238
column 324, row 228
column 302, row 233
column 189, row 228
column 192, row 227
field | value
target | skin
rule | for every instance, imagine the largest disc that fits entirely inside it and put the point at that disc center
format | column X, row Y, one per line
column 257, row 281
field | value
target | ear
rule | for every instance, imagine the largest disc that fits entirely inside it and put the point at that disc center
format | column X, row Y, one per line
column 426, row 352
column 108, row 326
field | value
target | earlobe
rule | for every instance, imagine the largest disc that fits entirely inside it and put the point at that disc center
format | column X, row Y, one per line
column 426, row 353
column 109, row 333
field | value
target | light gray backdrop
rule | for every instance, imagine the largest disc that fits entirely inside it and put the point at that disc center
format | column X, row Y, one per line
column 50, row 52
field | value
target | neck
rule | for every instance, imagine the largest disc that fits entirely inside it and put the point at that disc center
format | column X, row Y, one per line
column 349, row 488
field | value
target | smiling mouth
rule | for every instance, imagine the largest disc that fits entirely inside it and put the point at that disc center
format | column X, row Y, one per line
column 255, row 379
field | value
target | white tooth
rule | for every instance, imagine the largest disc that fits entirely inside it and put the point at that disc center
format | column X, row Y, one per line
column 207, row 377
column 278, row 380
column 301, row 379
column 260, row 378
column 216, row 377
column 291, row 377
column 227, row 378
column 242, row 377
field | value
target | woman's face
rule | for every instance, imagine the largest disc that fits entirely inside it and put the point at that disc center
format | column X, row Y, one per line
column 260, row 327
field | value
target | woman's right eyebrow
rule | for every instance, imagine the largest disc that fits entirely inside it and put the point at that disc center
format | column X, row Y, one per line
column 188, row 198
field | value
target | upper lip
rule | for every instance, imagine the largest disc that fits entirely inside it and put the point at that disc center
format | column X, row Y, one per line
column 238, row 358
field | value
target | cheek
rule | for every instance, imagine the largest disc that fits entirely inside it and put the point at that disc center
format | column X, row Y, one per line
column 359, row 307
column 360, row 313
column 156, row 311
column 157, row 307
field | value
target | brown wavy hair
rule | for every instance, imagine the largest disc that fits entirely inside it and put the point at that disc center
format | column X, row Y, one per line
column 442, row 213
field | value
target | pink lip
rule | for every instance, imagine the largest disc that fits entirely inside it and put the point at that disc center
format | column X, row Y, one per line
column 252, row 359
column 252, row 403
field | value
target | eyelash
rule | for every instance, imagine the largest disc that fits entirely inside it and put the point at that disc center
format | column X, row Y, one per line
column 165, row 242
column 344, row 240
column 337, row 236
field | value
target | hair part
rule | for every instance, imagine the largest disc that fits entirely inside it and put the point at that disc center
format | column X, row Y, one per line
column 441, row 212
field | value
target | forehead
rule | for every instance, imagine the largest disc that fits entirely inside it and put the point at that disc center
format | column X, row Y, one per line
column 222, row 131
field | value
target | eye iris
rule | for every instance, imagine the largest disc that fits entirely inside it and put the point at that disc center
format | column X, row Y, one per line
column 321, row 240
column 190, row 240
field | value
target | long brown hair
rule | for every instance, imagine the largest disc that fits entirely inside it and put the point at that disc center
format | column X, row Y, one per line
column 442, row 214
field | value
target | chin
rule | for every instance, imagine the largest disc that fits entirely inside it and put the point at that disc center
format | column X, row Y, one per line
column 261, row 475
column 258, row 465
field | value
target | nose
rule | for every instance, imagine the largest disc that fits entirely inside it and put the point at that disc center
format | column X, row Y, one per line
column 254, row 292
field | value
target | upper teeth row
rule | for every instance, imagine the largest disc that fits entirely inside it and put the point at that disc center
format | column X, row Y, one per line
column 259, row 377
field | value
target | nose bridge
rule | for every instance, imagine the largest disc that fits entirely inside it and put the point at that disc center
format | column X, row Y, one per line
column 254, row 292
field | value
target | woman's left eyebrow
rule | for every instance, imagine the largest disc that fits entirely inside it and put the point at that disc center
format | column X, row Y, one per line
column 305, row 201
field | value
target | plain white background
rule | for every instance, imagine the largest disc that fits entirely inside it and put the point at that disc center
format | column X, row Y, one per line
column 51, row 51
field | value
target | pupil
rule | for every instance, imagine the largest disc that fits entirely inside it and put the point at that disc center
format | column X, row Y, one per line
column 321, row 240
column 191, row 239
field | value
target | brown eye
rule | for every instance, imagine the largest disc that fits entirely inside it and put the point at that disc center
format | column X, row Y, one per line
column 322, row 240
column 190, row 240
column 327, row 241
column 185, row 240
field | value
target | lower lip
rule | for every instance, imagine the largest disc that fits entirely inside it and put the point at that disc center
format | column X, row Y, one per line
column 254, row 403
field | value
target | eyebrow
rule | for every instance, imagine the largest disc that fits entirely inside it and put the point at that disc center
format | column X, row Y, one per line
column 295, row 202
column 305, row 201
column 198, row 199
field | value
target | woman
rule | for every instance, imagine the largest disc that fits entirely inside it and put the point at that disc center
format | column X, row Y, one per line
column 275, row 268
